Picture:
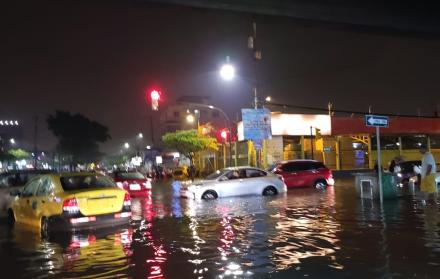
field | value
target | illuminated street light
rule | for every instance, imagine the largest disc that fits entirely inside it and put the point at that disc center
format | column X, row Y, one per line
column 148, row 147
column 12, row 141
column 126, row 145
column 140, row 135
column 190, row 118
column 268, row 99
column 227, row 72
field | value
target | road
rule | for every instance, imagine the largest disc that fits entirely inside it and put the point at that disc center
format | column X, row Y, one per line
column 304, row 234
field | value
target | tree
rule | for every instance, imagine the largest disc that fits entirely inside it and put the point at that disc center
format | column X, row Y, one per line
column 188, row 142
column 78, row 136
column 18, row 154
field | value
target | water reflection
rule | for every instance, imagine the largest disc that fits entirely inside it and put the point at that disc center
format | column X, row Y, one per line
column 305, row 233
column 103, row 254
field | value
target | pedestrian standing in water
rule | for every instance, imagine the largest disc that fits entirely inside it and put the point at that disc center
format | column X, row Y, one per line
column 428, row 186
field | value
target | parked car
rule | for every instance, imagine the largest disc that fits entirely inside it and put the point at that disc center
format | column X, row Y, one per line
column 301, row 173
column 11, row 183
column 70, row 201
column 238, row 181
column 133, row 182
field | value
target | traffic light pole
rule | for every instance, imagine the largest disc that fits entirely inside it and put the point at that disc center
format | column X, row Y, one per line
column 151, row 128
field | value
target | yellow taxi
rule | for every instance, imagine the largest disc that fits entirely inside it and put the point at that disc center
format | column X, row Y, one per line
column 70, row 201
column 181, row 173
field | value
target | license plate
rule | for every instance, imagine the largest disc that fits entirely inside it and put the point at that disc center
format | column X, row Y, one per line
column 135, row 187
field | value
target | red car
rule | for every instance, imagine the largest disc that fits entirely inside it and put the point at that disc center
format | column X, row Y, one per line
column 132, row 181
column 300, row 173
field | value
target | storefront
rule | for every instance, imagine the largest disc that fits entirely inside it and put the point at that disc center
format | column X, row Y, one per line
column 343, row 142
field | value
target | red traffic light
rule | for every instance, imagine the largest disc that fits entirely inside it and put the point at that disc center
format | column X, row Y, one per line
column 155, row 98
column 224, row 134
column 155, row 95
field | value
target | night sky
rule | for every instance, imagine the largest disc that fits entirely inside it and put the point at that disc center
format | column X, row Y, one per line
column 98, row 57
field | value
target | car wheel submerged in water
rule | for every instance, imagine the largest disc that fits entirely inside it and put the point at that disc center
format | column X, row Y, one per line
column 11, row 217
column 320, row 184
column 270, row 191
column 44, row 227
column 209, row 195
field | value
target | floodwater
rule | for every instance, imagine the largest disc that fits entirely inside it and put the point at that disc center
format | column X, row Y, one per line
column 304, row 234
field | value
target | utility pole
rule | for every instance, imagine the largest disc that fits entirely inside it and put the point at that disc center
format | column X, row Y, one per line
column 256, row 53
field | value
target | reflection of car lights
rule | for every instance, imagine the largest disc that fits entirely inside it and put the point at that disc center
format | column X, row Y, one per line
column 82, row 220
column 147, row 185
column 122, row 215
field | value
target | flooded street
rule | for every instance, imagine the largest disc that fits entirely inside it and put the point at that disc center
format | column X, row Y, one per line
column 303, row 234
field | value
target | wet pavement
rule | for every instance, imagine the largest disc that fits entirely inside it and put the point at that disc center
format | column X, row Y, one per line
column 304, row 234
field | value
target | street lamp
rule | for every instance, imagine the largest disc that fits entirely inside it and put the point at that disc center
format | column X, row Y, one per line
column 190, row 118
column 12, row 141
column 227, row 72
column 227, row 123
column 140, row 135
column 268, row 99
column 126, row 145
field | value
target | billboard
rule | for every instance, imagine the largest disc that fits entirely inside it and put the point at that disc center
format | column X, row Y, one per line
column 256, row 125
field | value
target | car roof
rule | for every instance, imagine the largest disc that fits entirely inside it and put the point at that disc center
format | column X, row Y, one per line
column 68, row 174
column 298, row 160
column 242, row 167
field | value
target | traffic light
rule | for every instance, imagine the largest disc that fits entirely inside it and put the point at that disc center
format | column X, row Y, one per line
column 224, row 135
column 155, row 98
column 318, row 133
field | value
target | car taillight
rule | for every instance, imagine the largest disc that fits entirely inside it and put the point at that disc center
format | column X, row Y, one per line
column 127, row 200
column 70, row 205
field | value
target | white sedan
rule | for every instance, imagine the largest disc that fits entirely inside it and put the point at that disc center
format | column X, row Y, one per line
column 237, row 181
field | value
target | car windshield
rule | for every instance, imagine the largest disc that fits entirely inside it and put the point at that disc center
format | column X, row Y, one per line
column 81, row 182
column 130, row 175
column 216, row 174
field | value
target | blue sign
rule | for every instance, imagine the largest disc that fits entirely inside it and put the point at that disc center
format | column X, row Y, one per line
column 376, row 120
column 256, row 125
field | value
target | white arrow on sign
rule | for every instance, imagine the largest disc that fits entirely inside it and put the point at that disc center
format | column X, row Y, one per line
column 377, row 121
